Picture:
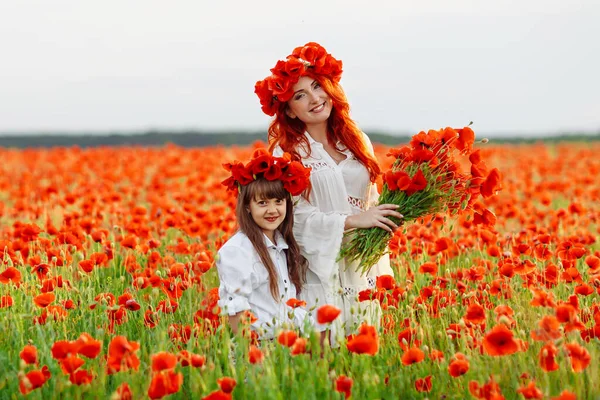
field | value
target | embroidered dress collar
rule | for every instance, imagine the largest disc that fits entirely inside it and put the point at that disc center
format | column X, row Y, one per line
column 281, row 244
column 344, row 150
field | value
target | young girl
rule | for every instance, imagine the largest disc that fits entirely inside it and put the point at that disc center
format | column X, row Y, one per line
column 312, row 122
column 260, row 267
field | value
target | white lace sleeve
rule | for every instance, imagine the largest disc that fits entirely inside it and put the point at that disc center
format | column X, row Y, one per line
column 315, row 231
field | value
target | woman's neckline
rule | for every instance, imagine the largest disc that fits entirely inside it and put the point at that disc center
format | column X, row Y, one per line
column 314, row 141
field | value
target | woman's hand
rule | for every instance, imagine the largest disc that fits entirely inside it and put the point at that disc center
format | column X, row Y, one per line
column 375, row 217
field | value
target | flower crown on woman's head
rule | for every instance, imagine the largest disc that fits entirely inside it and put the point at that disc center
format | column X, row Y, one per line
column 294, row 175
column 312, row 58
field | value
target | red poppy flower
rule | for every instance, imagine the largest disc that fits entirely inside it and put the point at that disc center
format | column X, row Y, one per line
column 492, row 183
column 295, row 303
column 542, row 299
column 424, row 384
column 584, row 290
column 44, row 299
column 418, row 183
column 365, row 295
column 86, row 265
column 41, row 270
column 547, row 357
column 87, row 346
column 343, row 384
column 327, row 314
column 549, row 329
column 386, row 282
column 255, row 355
column 299, row 347
column 71, row 363
column 29, row 354
column 500, row 342
column 6, row 301
column 407, row 339
column 121, row 355
column 287, row 338
column 227, row 384
column 130, row 242
column 81, row 377
column 62, row 348
column 412, row 356
column 422, row 140
column 592, row 262
column 365, row 342
column 488, row 391
column 580, row 357
column 531, row 391
column 150, row 318
column 475, row 314
column 165, row 383
column 69, row 304
column 186, row 359
column 163, row 360
column 218, row 394
column 565, row 395
column 466, row 138
column 458, row 366
column 11, row 274
column 34, row 379
column 123, row 392
column 261, row 163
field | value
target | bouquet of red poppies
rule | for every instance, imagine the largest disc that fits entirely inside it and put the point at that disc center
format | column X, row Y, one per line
column 437, row 172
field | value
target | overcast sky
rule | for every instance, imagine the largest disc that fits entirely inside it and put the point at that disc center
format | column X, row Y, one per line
column 527, row 66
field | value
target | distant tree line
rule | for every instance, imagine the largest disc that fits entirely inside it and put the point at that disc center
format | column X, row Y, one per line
column 202, row 139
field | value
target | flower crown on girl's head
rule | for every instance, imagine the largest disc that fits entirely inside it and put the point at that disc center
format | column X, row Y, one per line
column 294, row 175
column 312, row 58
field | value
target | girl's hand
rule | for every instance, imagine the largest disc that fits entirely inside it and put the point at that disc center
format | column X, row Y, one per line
column 375, row 217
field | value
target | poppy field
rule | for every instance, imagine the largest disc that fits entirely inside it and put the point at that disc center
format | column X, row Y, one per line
column 108, row 287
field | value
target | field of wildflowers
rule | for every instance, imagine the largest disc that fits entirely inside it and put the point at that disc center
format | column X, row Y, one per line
column 107, row 286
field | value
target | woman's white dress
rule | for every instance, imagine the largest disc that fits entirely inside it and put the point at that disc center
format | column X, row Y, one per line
column 338, row 190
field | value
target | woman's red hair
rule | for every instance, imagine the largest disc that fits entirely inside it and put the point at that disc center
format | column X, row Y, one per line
column 288, row 132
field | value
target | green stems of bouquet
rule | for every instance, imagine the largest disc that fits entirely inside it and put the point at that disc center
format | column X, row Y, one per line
column 368, row 245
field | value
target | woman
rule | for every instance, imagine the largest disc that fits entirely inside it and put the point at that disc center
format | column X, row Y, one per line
column 312, row 122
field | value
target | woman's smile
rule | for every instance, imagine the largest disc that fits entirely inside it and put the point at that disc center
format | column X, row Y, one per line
column 318, row 108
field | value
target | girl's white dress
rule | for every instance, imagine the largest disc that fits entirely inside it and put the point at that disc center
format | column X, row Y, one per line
column 244, row 285
column 338, row 190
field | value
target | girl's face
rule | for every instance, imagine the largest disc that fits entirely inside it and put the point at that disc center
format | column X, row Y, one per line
column 310, row 103
column 268, row 214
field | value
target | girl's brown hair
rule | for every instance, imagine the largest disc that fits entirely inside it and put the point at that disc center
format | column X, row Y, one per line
column 288, row 132
column 296, row 263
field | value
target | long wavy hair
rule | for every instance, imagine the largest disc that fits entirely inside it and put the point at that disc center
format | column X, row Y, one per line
column 288, row 132
column 297, row 265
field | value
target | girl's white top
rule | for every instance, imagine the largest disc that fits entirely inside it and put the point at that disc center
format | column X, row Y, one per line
column 244, row 284
column 338, row 190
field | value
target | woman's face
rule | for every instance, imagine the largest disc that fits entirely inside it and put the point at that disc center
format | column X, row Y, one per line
column 310, row 103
